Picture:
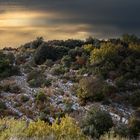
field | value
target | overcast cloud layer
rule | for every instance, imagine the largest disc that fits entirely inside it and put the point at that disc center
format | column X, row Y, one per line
column 100, row 18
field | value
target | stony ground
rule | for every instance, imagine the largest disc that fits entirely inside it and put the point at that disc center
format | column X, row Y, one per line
column 60, row 97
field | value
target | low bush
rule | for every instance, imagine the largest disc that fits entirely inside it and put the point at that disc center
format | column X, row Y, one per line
column 58, row 70
column 122, row 130
column 24, row 98
column 13, row 88
column 41, row 96
column 120, row 82
column 2, row 106
column 67, row 129
column 134, row 126
column 90, row 89
column 134, row 99
column 109, row 90
column 36, row 78
column 96, row 123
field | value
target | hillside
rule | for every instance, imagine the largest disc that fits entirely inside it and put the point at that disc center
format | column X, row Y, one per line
column 71, row 89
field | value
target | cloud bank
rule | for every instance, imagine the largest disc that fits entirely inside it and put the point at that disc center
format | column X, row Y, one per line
column 63, row 18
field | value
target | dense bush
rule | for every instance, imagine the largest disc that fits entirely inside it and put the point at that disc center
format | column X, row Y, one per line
column 36, row 78
column 2, row 106
column 90, row 89
column 24, row 98
column 96, row 123
column 109, row 90
column 88, row 48
column 41, row 96
column 13, row 88
column 7, row 67
column 19, row 129
column 130, row 130
column 58, row 69
column 110, row 57
column 107, row 52
column 134, row 124
column 45, row 52
column 49, row 63
column 122, row 130
column 120, row 82
column 134, row 99
column 113, row 136
column 66, row 61
column 129, row 38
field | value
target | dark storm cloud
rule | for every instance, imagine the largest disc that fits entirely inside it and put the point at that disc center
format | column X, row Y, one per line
column 104, row 17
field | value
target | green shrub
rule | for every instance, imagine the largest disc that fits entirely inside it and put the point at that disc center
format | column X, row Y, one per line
column 49, row 63
column 66, row 61
column 36, row 78
column 134, row 126
column 44, row 52
column 113, row 136
column 2, row 106
column 109, row 90
column 131, row 130
column 120, row 82
column 122, row 130
column 27, row 68
column 24, row 98
column 96, row 123
column 38, row 82
column 90, row 89
column 106, row 52
column 134, row 99
column 67, row 129
column 7, row 67
column 41, row 96
column 13, row 88
column 57, row 70
column 48, row 82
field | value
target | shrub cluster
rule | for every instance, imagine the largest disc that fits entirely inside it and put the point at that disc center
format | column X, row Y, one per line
column 67, row 129
column 36, row 78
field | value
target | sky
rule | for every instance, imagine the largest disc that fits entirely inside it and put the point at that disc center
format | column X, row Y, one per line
column 24, row 20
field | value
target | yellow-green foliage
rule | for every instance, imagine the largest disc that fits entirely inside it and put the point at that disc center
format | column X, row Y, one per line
column 20, row 130
column 135, row 47
column 88, row 47
column 112, row 136
column 10, row 128
column 67, row 130
column 106, row 51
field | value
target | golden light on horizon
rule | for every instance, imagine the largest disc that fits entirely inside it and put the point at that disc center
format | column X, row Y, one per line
column 19, row 27
column 20, row 18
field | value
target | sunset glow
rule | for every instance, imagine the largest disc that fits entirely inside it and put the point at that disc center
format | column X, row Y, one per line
column 27, row 25
column 25, row 20
column 17, row 19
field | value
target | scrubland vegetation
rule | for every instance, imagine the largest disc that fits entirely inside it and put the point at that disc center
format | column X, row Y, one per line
column 72, row 89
